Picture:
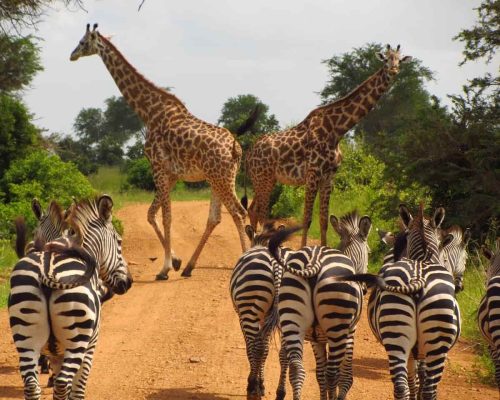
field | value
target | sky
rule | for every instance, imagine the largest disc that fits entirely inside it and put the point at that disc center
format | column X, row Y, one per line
column 210, row 50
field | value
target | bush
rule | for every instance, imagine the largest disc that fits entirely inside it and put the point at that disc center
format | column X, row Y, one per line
column 139, row 174
column 39, row 175
column 290, row 202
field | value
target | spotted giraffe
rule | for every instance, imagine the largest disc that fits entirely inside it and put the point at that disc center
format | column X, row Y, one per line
column 309, row 153
column 178, row 145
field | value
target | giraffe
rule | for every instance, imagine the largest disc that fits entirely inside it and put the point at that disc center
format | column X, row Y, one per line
column 178, row 146
column 309, row 153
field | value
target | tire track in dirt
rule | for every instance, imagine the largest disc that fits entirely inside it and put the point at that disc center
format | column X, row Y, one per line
column 180, row 339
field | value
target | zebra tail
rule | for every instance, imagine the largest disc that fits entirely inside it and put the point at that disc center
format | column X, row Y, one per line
column 20, row 224
column 309, row 272
column 278, row 238
column 72, row 251
column 415, row 285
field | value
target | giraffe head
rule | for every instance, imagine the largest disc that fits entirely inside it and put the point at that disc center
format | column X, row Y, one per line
column 392, row 59
column 88, row 45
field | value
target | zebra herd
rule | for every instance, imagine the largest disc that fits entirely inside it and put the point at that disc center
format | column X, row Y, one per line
column 316, row 294
column 57, row 288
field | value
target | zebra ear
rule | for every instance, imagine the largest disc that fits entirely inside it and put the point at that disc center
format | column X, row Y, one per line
column 250, row 232
column 405, row 215
column 334, row 221
column 37, row 208
column 438, row 217
column 467, row 236
column 365, row 225
column 105, row 206
column 446, row 240
column 487, row 252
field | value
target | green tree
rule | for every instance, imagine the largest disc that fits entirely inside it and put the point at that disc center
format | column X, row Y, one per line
column 19, row 62
column 237, row 109
column 75, row 151
column 17, row 134
column 120, row 121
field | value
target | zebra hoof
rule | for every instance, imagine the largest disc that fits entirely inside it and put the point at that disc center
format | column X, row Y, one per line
column 176, row 263
column 50, row 383
column 280, row 395
column 161, row 277
column 187, row 272
column 253, row 396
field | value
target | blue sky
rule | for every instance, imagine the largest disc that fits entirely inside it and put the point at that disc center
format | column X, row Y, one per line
column 210, row 50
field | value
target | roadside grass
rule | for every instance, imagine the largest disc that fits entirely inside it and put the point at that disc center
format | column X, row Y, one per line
column 7, row 260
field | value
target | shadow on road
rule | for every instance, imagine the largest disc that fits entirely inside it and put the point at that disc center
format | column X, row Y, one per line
column 189, row 393
column 371, row 368
column 11, row 392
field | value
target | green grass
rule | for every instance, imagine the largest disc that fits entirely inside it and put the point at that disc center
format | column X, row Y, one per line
column 7, row 260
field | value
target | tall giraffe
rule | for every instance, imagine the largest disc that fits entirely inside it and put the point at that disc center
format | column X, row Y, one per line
column 178, row 146
column 309, row 153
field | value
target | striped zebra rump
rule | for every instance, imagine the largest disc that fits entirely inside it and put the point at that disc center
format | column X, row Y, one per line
column 489, row 308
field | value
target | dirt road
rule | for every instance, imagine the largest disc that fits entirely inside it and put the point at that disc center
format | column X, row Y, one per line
column 180, row 339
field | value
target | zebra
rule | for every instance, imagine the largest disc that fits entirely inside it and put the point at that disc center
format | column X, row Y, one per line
column 54, row 306
column 414, row 312
column 252, row 289
column 313, row 306
column 489, row 309
column 453, row 249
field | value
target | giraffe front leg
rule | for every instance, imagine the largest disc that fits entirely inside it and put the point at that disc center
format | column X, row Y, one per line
column 325, row 191
column 311, row 191
column 152, row 212
column 162, row 198
column 214, row 218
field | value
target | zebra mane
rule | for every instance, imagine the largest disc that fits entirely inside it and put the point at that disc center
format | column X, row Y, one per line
column 268, row 230
column 349, row 223
column 81, row 214
column 55, row 211
column 400, row 244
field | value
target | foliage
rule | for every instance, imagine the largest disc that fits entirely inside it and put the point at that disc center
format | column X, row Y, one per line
column 483, row 39
column 7, row 260
column 17, row 134
column 39, row 175
column 19, row 62
column 290, row 202
column 139, row 174
column 18, row 14
column 76, row 151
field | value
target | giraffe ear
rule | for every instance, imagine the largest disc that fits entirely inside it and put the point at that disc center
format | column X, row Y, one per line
column 381, row 57
column 406, row 59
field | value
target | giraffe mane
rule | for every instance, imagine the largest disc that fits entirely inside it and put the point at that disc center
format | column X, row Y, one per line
column 156, row 88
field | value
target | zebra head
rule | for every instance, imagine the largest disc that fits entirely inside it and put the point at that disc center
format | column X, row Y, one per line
column 51, row 224
column 353, row 232
column 422, row 238
column 91, row 221
column 262, row 238
column 494, row 257
column 454, row 252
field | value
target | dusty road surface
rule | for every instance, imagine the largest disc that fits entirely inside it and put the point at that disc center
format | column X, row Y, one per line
column 180, row 339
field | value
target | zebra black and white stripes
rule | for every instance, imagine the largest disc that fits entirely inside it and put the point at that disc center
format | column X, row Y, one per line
column 314, row 306
column 252, row 288
column 421, row 320
column 489, row 308
column 64, row 323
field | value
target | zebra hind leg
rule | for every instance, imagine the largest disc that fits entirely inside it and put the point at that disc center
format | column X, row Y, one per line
column 262, row 362
column 319, row 350
column 281, row 390
column 253, row 387
column 399, row 377
column 346, row 377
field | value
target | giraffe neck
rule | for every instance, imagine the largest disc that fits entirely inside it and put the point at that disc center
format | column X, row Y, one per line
column 143, row 96
column 346, row 112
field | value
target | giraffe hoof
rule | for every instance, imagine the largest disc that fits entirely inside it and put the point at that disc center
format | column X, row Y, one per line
column 176, row 263
column 187, row 272
column 161, row 277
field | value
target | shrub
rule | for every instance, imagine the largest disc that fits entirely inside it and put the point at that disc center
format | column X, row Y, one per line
column 139, row 174
column 290, row 202
column 39, row 175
